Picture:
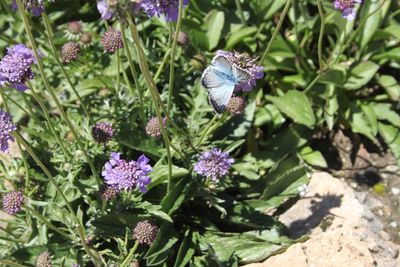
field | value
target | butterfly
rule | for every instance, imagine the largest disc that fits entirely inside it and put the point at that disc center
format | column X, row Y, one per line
column 220, row 79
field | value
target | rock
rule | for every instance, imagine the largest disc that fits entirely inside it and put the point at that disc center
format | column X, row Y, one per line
column 352, row 236
column 393, row 224
column 395, row 191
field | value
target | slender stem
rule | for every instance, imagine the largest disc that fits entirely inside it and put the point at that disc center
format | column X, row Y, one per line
column 133, row 70
column 81, row 232
column 240, row 10
column 118, row 71
column 172, row 58
column 312, row 83
column 51, row 90
column 57, row 58
column 46, row 222
column 276, row 31
column 206, row 130
column 131, row 252
column 162, row 65
column 321, row 35
column 11, row 263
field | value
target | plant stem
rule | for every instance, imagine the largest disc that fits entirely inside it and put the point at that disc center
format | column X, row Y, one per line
column 172, row 58
column 321, row 35
column 82, row 236
column 206, row 130
column 56, row 57
column 131, row 252
column 51, row 90
column 240, row 10
column 11, row 263
column 161, row 67
column 312, row 83
column 276, row 31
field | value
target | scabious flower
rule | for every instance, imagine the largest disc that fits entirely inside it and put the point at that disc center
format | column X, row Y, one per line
column 347, row 8
column 112, row 41
column 145, row 232
column 153, row 128
column 108, row 192
column 213, row 164
column 6, row 127
column 74, row 27
column 70, row 51
column 123, row 174
column 107, row 8
column 86, row 38
column 183, row 39
column 236, row 105
column 12, row 202
column 44, row 260
column 36, row 7
column 15, row 67
column 102, row 132
column 246, row 63
column 168, row 8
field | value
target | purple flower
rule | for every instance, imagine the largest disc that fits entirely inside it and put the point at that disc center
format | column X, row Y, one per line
column 347, row 8
column 6, row 127
column 106, row 11
column 12, row 202
column 213, row 164
column 36, row 7
column 168, row 8
column 15, row 67
column 153, row 128
column 102, row 132
column 123, row 174
column 246, row 63
column 112, row 41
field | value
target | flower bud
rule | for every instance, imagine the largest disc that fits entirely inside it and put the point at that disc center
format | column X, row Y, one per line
column 70, row 52
column 145, row 232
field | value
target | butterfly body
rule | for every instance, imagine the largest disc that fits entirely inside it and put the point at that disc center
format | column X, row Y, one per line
column 220, row 80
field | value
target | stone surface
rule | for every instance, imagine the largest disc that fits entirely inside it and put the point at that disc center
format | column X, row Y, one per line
column 342, row 231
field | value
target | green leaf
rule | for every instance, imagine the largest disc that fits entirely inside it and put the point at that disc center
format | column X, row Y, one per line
column 215, row 23
column 186, row 250
column 312, row 157
column 392, row 87
column 360, row 123
column 173, row 199
column 239, row 35
column 162, row 246
column 159, row 174
column 385, row 112
column 372, row 23
column 295, row 105
column 331, row 106
column 360, row 75
column 391, row 136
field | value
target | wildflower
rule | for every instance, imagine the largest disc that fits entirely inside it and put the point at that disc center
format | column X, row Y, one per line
column 15, row 67
column 12, row 202
column 6, row 127
column 108, row 192
column 86, row 38
column 70, row 52
column 213, row 164
column 246, row 63
column 74, row 27
column 153, row 128
column 102, row 132
column 347, row 8
column 145, row 232
column 183, row 39
column 76, row 265
column 236, row 105
column 168, row 8
column 44, row 260
column 106, row 8
column 112, row 40
column 123, row 174
column 36, row 7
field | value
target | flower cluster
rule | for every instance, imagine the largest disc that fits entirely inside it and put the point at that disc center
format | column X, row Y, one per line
column 213, row 164
column 153, row 128
column 36, row 7
column 6, row 127
column 70, row 52
column 106, row 8
column 168, row 8
column 236, row 105
column 44, row 260
column 112, row 40
column 246, row 63
column 123, row 174
column 145, row 232
column 102, row 132
column 12, row 202
column 15, row 67
column 347, row 8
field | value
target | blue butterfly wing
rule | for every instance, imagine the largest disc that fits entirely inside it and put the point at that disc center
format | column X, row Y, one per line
column 219, row 87
column 240, row 74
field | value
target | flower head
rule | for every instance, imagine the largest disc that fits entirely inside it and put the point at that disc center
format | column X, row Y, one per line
column 145, row 232
column 70, row 52
column 36, row 7
column 183, row 39
column 86, row 38
column 112, row 41
column 6, row 127
column 213, row 164
column 15, row 67
column 153, row 128
column 44, row 260
column 168, row 8
column 108, row 192
column 74, row 27
column 236, row 105
column 123, row 174
column 106, row 9
column 347, row 8
column 12, row 202
column 102, row 132
column 246, row 63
